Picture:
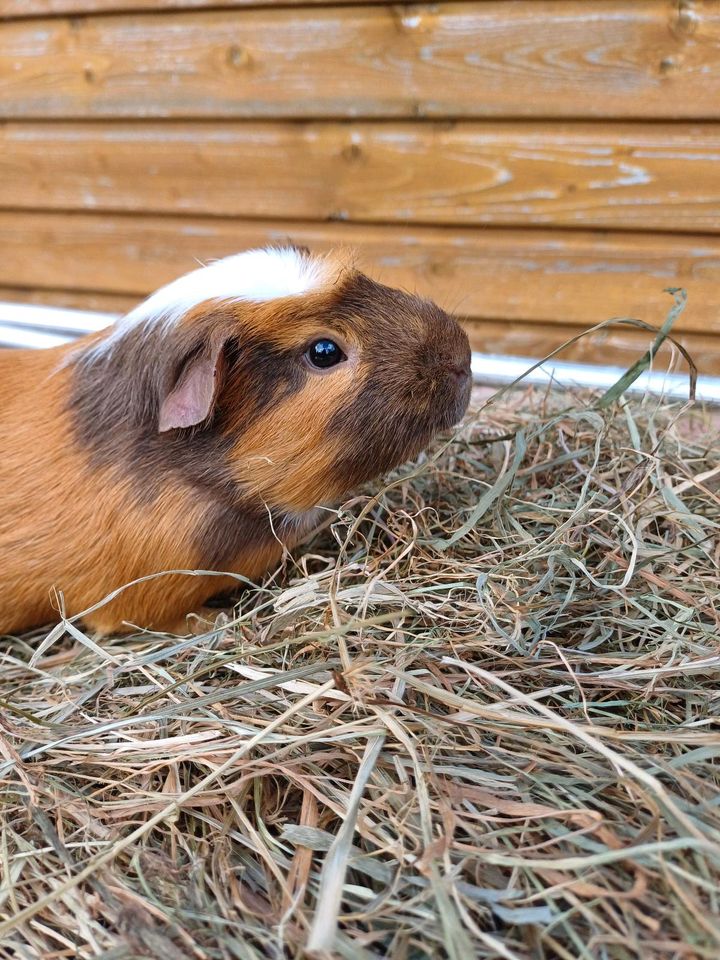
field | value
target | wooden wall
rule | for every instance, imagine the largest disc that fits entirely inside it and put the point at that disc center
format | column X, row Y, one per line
column 536, row 165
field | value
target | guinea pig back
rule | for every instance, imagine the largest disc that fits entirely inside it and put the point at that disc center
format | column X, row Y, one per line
column 204, row 429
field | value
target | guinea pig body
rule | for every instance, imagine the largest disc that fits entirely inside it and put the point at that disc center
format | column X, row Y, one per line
column 202, row 431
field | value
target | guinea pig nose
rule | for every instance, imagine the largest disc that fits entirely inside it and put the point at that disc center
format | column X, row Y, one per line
column 457, row 370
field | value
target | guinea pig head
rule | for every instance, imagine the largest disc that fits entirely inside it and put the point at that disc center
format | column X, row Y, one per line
column 294, row 377
column 323, row 391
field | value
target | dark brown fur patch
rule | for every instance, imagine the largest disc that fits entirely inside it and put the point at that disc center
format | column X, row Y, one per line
column 226, row 530
column 416, row 355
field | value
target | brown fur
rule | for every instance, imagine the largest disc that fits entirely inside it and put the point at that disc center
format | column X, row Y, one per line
column 92, row 496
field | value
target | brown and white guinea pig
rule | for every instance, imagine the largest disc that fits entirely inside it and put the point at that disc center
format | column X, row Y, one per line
column 203, row 430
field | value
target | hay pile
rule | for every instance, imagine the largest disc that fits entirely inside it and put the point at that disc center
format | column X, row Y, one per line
column 475, row 717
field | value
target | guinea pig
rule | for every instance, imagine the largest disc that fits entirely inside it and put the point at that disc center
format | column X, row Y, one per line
column 204, row 429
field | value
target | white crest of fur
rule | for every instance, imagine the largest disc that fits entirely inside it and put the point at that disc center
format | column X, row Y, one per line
column 255, row 275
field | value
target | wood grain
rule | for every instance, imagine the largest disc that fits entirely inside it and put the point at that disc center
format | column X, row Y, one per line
column 568, row 58
column 617, row 345
column 622, row 176
column 45, row 8
column 536, row 276
column 80, row 300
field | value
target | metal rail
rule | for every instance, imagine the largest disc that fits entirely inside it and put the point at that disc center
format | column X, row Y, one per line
column 32, row 325
column 499, row 370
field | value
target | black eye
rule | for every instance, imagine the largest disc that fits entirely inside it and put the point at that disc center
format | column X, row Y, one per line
column 324, row 354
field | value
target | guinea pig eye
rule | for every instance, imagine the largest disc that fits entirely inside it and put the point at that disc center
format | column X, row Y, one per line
column 325, row 353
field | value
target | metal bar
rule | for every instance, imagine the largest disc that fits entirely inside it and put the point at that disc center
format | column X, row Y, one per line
column 40, row 317
column 11, row 336
column 33, row 325
column 498, row 370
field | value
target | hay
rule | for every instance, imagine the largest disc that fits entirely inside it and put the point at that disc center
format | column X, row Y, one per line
column 475, row 717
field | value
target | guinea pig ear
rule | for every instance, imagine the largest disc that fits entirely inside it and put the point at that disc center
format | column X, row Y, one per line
column 192, row 399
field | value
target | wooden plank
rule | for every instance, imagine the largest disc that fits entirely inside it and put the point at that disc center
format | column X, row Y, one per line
column 570, row 58
column 74, row 299
column 45, row 8
column 536, row 276
column 616, row 346
column 626, row 176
